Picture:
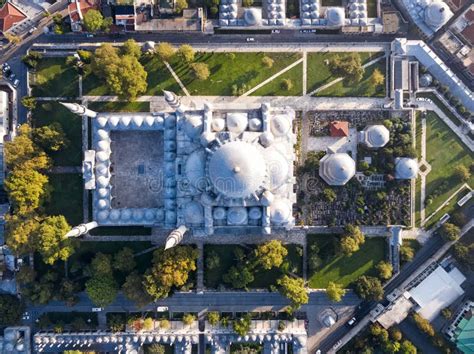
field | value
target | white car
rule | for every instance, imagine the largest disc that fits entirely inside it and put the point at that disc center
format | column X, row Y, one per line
column 16, row 83
column 162, row 309
column 276, row 31
column 250, row 39
column 96, row 309
column 337, row 344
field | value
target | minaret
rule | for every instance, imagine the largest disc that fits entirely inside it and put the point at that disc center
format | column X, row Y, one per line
column 79, row 109
column 82, row 229
column 175, row 237
column 173, row 101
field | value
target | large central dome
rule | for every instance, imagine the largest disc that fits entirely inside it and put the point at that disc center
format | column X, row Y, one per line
column 237, row 169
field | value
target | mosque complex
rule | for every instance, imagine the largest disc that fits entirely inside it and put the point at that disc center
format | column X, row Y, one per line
column 208, row 171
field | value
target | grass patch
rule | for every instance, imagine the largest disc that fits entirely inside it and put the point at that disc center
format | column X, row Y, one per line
column 371, row 8
column 467, row 209
column 121, row 106
column 66, row 197
column 363, row 88
column 318, row 72
column 331, row 3
column 49, row 112
column 245, row 69
column 275, row 88
column 159, row 77
column 66, row 318
column 444, row 152
column 344, row 269
column 121, row 231
column 53, row 78
column 92, row 85
column 263, row 278
column 441, row 106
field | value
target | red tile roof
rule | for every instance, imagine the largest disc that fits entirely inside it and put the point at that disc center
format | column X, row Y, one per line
column 9, row 15
column 470, row 14
column 338, row 128
column 85, row 5
column 468, row 33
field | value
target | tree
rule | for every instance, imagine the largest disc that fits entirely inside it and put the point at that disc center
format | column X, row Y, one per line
column 101, row 264
column 380, row 333
column 391, row 347
column 156, row 348
column 165, row 324
column 450, row 232
column 241, row 326
column 463, row 254
column 267, row 62
column 133, row 290
column 106, row 59
column 170, row 269
column 247, row 3
column 395, row 333
column 423, row 324
column 187, row 52
column 407, row 347
column 21, row 233
column 130, row 47
column 102, row 289
column 369, row 288
column 148, row 324
column 239, row 277
column 14, row 39
column 188, row 319
column 124, row 260
column 200, row 71
column 447, row 313
column 128, row 80
column 212, row 260
column 26, row 275
column 180, row 5
column 11, row 309
column 384, row 269
column 28, row 102
column 462, row 173
column 52, row 242
column 406, row 253
column 50, row 137
column 329, row 195
column 294, row 290
column 26, row 189
column 213, row 318
column 377, row 78
column 94, row 21
column 286, row 84
column 32, row 59
column 165, row 51
column 351, row 240
column 116, row 323
column 349, row 67
column 335, row 291
column 85, row 55
column 270, row 254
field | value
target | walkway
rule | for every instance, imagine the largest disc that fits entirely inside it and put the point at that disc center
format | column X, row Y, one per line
column 425, row 168
column 271, row 78
column 365, row 66
column 177, row 79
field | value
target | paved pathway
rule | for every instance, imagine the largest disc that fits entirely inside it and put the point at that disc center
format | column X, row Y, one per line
column 305, row 72
column 366, row 65
column 271, row 78
column 427, row 169
column 177, row 79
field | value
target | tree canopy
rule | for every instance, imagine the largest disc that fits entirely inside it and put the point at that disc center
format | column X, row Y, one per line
column 130, row 47
column 294, row 290
column 94, row 21
column 369, row 288
column 348, row 66
column 26, row 189
column 50, row 137
column 270, row 254
column 52, row 243
column 384, row 269
column 351, row 240
column 11, row 309
column 187, row 53
column 124, row 260
column 165, row 51
column 335, row 291
column 133, row 290
column 239, row 277
column 450, row 232
column 102, row 290
column 201, row 71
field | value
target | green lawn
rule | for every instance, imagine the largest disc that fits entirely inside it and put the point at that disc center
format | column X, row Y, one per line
column 331, row 3
column 263, row 278
column 441, row 106
column 342, row 269
column 274, row 87
column 371, row 8
column 364, row 88
column 121, row 106
column 66, row 197
column 159, row 77
column 318, row 71
column 54, row 78
column 94, row 86
column 245, row 69
column 418, row 180
column 467, row 209
column 444, row 152
column 49, row 112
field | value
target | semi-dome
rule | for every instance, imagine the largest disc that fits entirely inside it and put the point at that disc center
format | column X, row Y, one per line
column 277, row 168
column 437, row 14
column 280, row 211
column 405, row 168
column 218, row 124
column 193, row 125
column 237, row 122
column 237, row 169
column 336, row 169
column 280, row 125
column 237, row 216
column 335, row 16
column 253, row 17
column 376, row 136
column 194, row 213
column 195, row 169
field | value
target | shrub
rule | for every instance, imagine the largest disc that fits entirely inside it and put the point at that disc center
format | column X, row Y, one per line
column 286, row 84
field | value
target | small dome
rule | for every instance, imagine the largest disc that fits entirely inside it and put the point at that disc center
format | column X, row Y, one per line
column 103, row 134
column 137, row 214
column 426, row 80
column 103, row 145
column 237, row 216
column 195, row 169
column 218, row 124
column 336, row 169
column 101, row 169
column 437, row 14
column 103, row 203
column 103, row 215
column 149, row 215
column 149, row 121
column 253, row 17
column 280, row 211
column 267, row 198
column 193, row 125
column 255, row 213
column 266, row 139
column 102, row 181
column 335, row 16
column 103, row 192
column 102, row 156
column 114, row 214
column 237, row 122
column 101, row 121
column 376, row 136
column 219, row 213
column 237, row 169
column 255, row 124
column 405, row 168
column 113, row 121
column 194, row 213
column 137, row 121
column 125, row 121
column 126, row 215
column 277, row 168
column 280, row 125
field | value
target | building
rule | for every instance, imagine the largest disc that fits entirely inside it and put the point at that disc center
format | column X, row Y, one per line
column 209, row 171
column 339, row 129
column 77, row 9
column 461, row 330
column 337, row 169
column 15, row 340
column 375, row 136
column 124, row 16
column 428, row 15
column 10, row 15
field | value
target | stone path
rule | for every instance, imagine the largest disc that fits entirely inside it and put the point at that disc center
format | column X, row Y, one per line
column 271, row 78
column 305, row 72
column 423, row 164
column 177, row 79
column 366, row 65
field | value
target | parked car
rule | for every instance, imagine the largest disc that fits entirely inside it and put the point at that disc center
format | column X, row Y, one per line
column 96, row 309
column 16, row 83
column 89, row 35
column 5, row 67
column 250, row 39
column 352, row 322
column 32, row 30
column 337, row 345
column 275, row 31
column 12, row 77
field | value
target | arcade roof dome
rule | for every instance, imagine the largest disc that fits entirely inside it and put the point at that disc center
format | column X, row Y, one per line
column 237, row 169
